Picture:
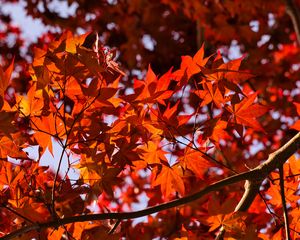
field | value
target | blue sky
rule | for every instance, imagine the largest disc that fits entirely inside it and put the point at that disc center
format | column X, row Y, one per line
column 33, row 28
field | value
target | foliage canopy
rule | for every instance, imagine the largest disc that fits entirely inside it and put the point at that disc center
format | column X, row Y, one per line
column 205, row 146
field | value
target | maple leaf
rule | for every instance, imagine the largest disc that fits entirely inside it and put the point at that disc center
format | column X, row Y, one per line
column 292, row 168
column 107, row 97
column 9, row 147
column 221, row 214
column 152, row 153
column 78, row 97
column 215, row 130
column 228, row 71
column 171, row 117
column 153, row 89
column 5, row 78
column 73, row 42
column 10, row 175
column 56, row 234
column 34, row 211
column 191, row 66
column 42, row 76
column 74, row 89
column 31, row 104
column 170, row 111
column 296, row 125
column 169, row 180
column 210, row 93
column 45, row 129
column 193, row 160
column 274, row 193
column 89, row 59
column 98, row 175
column 246, row 111
column 127, row 153
column 6, row 122
column 229, row 221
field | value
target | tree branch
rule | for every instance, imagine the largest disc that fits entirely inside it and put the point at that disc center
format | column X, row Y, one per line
column 136, row 214
column 293, row 11
column 251, row 190
column 275, row 160
column 254, row 176
column 279, row 157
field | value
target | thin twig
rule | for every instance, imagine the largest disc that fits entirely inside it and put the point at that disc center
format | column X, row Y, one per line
column 285, row 211
column 194, row 147
column 16, row 213
column 54, row 183
column 113, row 229
column 64, row 147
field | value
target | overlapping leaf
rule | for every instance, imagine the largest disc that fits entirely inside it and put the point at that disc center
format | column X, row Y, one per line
column 246, row 111
column 190, row 66
column 169, row 180
column 193, row 160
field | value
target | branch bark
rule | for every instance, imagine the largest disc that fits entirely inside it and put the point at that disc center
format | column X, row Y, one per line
column 275, row 160
column 254, row 178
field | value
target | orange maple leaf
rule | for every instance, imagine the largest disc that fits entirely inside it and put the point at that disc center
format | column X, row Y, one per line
column 32, row 103
column 246, row 111
column 210, row 93
column 169, row 180
column 233, row 223
column 9, row 147
column 153, row 89
column 5, row 77
column 152, row 153
column 215, row 130
column 190, row 66
column 296, row 125
column 229, row 71
column 193, row 160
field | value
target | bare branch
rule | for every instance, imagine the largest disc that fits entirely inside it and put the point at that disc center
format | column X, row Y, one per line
column 275, row 160
column 130, row 215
